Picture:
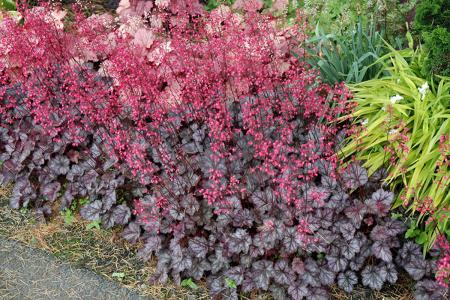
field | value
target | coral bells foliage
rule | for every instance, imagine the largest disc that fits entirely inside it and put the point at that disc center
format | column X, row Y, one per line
column 218, row 97
column 219, row 139
column 443, row 264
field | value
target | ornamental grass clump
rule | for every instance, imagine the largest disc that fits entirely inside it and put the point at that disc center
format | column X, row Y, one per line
column 206, row 137
column 405, row 127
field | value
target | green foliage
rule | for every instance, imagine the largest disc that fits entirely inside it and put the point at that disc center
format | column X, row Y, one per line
column 69, row 212
column 24, row 211
column 93, row 224
column 230, row 283
column 431, row 14
column 432, row 21
column 438, row 43
column 212, row 4
column 189, row 283
column 348, row 58
column 404, row 118
column 68, row 216
column 334, row 15
column 338, row 16
column 119, row 275
column 8, row 5
column 83, row 201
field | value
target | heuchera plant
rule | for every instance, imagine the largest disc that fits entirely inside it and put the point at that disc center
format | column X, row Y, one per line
column 225, row 142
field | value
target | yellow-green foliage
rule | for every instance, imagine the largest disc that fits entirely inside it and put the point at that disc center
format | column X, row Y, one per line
column 421, row 113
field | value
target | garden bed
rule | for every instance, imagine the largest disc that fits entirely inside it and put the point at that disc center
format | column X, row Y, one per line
column 185, row 148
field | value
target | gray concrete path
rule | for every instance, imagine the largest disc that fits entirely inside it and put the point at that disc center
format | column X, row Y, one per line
column 27, row 273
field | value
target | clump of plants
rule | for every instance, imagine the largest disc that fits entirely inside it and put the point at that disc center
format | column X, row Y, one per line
column 219, row 139
column 349, row 57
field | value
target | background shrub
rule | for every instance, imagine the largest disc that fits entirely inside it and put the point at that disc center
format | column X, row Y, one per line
column 432, row 21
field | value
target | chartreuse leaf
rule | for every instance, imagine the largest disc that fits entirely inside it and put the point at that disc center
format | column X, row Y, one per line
column 189, row 283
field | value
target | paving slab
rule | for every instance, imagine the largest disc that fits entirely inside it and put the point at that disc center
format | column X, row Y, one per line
column 28, row 273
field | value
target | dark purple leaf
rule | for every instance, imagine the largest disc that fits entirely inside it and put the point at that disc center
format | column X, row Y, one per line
column 298, row 266
column 337, row 201
column 75, row 172
column 291, row 241
column 236, row 274
column 382, row 251
column 350, row 248
column 108, row 200
column 199, row 268
column 347, row 230
column 410, row 251
column 336, row 263
column 391, row 272
column 430, row 290
column 190, row 204
column 152, row 245
column 373, row 277
column 91, row 211
column 38, row 157
column 298, row 291
column 248, row 284
column 356, row 212
column 59, row 165
column 318, row 294
column 107, row 220
column 381, row 233
column 50, row 190
column 328, row 183
column 132, row 232
column 277, row 292
column 121, row 214
column 354, row 176
column 416, row 267
column 326, row 276
column 262, row 272
column 282, row 273
column 380, row 202
column 264, row 200
column 357, row 262
column 216, row 286
column 395, row 227
column 198, row 247
column 347, row 281
column 239, row 241
column 218, row 261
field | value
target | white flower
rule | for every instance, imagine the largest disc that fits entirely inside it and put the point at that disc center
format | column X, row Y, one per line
column 383, row 108
column 392, row 131
column 423, row 90
column 395, row 99
column 365, row 122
